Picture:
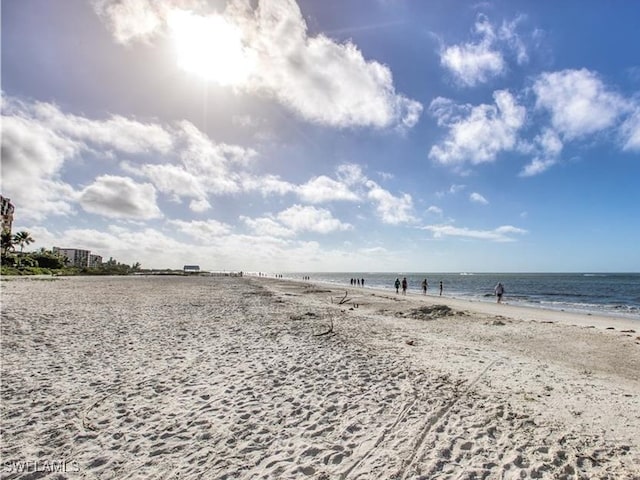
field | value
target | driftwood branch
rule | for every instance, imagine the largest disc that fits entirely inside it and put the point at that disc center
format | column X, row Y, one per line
column 325, row 333
column 343, row 300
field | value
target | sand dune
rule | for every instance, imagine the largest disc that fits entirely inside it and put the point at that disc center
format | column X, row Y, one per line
column 244, row 378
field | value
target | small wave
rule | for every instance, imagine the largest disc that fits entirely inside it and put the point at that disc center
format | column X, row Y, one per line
column 566, row 294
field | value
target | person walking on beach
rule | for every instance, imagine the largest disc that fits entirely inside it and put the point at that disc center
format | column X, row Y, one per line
column 362, row 282
column 440, row 287
column 397, row 285
column 425, row 285
column 404, row 286
column 499, row 290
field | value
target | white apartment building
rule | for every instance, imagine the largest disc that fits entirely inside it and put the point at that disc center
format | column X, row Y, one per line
column 6, row 214
column 95, row 260
column 75, row 257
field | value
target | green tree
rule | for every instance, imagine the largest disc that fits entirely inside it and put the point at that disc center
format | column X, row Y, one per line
column 22, row 238
column 47, row 259
column 7, row 242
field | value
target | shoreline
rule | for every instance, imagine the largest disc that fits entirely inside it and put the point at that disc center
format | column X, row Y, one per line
column 515, row 311
column 480, row 289
column 245, row 378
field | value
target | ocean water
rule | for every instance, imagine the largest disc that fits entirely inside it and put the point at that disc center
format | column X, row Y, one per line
column 616, row 294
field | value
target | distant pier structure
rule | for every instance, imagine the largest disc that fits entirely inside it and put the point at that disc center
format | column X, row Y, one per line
column 195, row 270
column 223, row 274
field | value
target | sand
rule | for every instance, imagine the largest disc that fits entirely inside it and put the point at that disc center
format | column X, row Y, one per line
column 254, row 378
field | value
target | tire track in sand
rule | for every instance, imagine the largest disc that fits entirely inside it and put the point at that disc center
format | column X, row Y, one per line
column 403, row 413
column 418, row 450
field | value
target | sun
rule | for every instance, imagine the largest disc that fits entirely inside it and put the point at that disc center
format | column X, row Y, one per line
column 210, row 47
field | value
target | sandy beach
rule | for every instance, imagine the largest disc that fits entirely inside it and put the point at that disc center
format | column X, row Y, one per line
column 256, row 378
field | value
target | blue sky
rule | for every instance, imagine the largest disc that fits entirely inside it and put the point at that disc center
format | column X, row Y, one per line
column 343, row 135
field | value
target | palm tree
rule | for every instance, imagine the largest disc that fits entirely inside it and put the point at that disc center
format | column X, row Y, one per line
column 7, row 242
column 22, row 238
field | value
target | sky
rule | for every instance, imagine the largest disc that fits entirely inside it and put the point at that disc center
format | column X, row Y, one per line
column 342, row 135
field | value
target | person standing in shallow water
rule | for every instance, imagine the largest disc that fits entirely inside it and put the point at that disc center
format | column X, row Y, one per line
column 404, row 286
column 425, row 285
column 397, row 285
column 499, row 290
column 440, row 287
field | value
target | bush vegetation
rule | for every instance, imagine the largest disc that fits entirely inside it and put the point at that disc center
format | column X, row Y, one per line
column 47, row 262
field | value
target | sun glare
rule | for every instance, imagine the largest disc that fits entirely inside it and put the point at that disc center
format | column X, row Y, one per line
column 210, row 47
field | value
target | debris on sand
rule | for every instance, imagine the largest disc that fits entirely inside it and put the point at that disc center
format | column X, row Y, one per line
column 432, row 312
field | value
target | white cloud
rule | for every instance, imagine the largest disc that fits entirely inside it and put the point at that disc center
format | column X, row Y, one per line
column 201, row 230
column 199, row 206
column 477, row 198
column 501, row 234
column 305, row 218
column 267, row 185
column 578, row 101
column 549, row 143
column 435, row 211
column 33, row 156
column 474, row 63
column 246, row 121
column 453, row 189
column 81, row 133
column 508, row 34
column 351, row 174
column 321, row 80
column 547, row 148
column 120, row 197
column 537, row 166
column 197, row 167
column 214, row 165
column 324, row 189
column 135, row 19
column 267, row 227
column 174, row 179
column 391, row 209
column 353, row 185
column 477, row 134
column 129, row 243
column 630, row 132
column 117, row 132
column 145, row 245
column 38, row 139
